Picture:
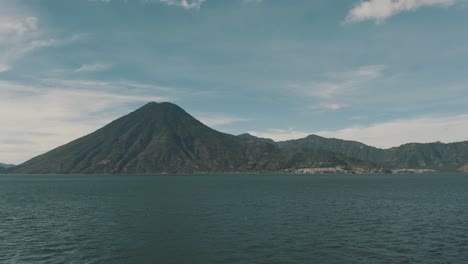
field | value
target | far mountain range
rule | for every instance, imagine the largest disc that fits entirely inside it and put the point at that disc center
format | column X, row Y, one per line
column 4, row 167
column 163, row 138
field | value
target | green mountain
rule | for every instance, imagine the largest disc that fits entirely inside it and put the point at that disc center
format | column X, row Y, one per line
column 435, row 156
column 348, row 148
column 306, row 158
column 157, row 138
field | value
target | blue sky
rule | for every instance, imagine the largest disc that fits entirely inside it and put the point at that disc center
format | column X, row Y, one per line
column 383, row 72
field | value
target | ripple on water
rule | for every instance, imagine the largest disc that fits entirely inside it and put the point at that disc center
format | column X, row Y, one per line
column 234, row 219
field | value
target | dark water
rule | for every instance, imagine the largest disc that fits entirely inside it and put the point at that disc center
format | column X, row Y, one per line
column 234, row 219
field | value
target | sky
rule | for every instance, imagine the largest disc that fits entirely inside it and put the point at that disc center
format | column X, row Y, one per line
column 382, row 72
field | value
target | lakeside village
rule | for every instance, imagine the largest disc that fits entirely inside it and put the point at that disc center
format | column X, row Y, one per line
column 345, row 170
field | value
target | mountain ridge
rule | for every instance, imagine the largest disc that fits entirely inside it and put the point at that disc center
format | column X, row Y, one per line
column 156, row 138
column 436, row 156
column 164, row 138
column 4, row 165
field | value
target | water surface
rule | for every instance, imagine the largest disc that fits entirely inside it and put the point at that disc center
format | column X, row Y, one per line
column 234, row 219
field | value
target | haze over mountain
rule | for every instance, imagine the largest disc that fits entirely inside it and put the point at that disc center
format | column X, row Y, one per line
column 3, row 165
column 163, row 138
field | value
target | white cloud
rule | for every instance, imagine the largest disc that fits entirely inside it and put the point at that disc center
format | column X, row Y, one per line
column 280, row 134
column 401, row 131
column 337, row 85
column 379, row 10
column 20, row 34
column 331, row 106
column 21, row 48
column 369, row 72
column 13, row 26
column 38, row 118
column 17, row 34
column 96, row 67
column 4, row 68
column 186, row 4
column 121, row 85
column 252, row 1
column 217, row 120
column 339, row 82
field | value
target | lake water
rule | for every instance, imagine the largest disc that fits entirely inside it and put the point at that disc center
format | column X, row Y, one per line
column 234, row 219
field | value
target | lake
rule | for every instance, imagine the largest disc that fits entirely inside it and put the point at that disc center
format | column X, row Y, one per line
column 413, row 218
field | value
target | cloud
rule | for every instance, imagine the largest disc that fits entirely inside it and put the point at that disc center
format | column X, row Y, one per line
column 396, row 132
column 280, row 134
column 339, row 82
column 336, row 85
column 17, row 34
column 331, row 106
column 12, row 26
column 379, row 10
column 323, row 107
column 121, row 85
column 252, row 1
column 186, row 4
column 217, row 120
column 20, row 34
column 18, row 50
column 97, row 67
column 4, row 68
column 37, row 118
